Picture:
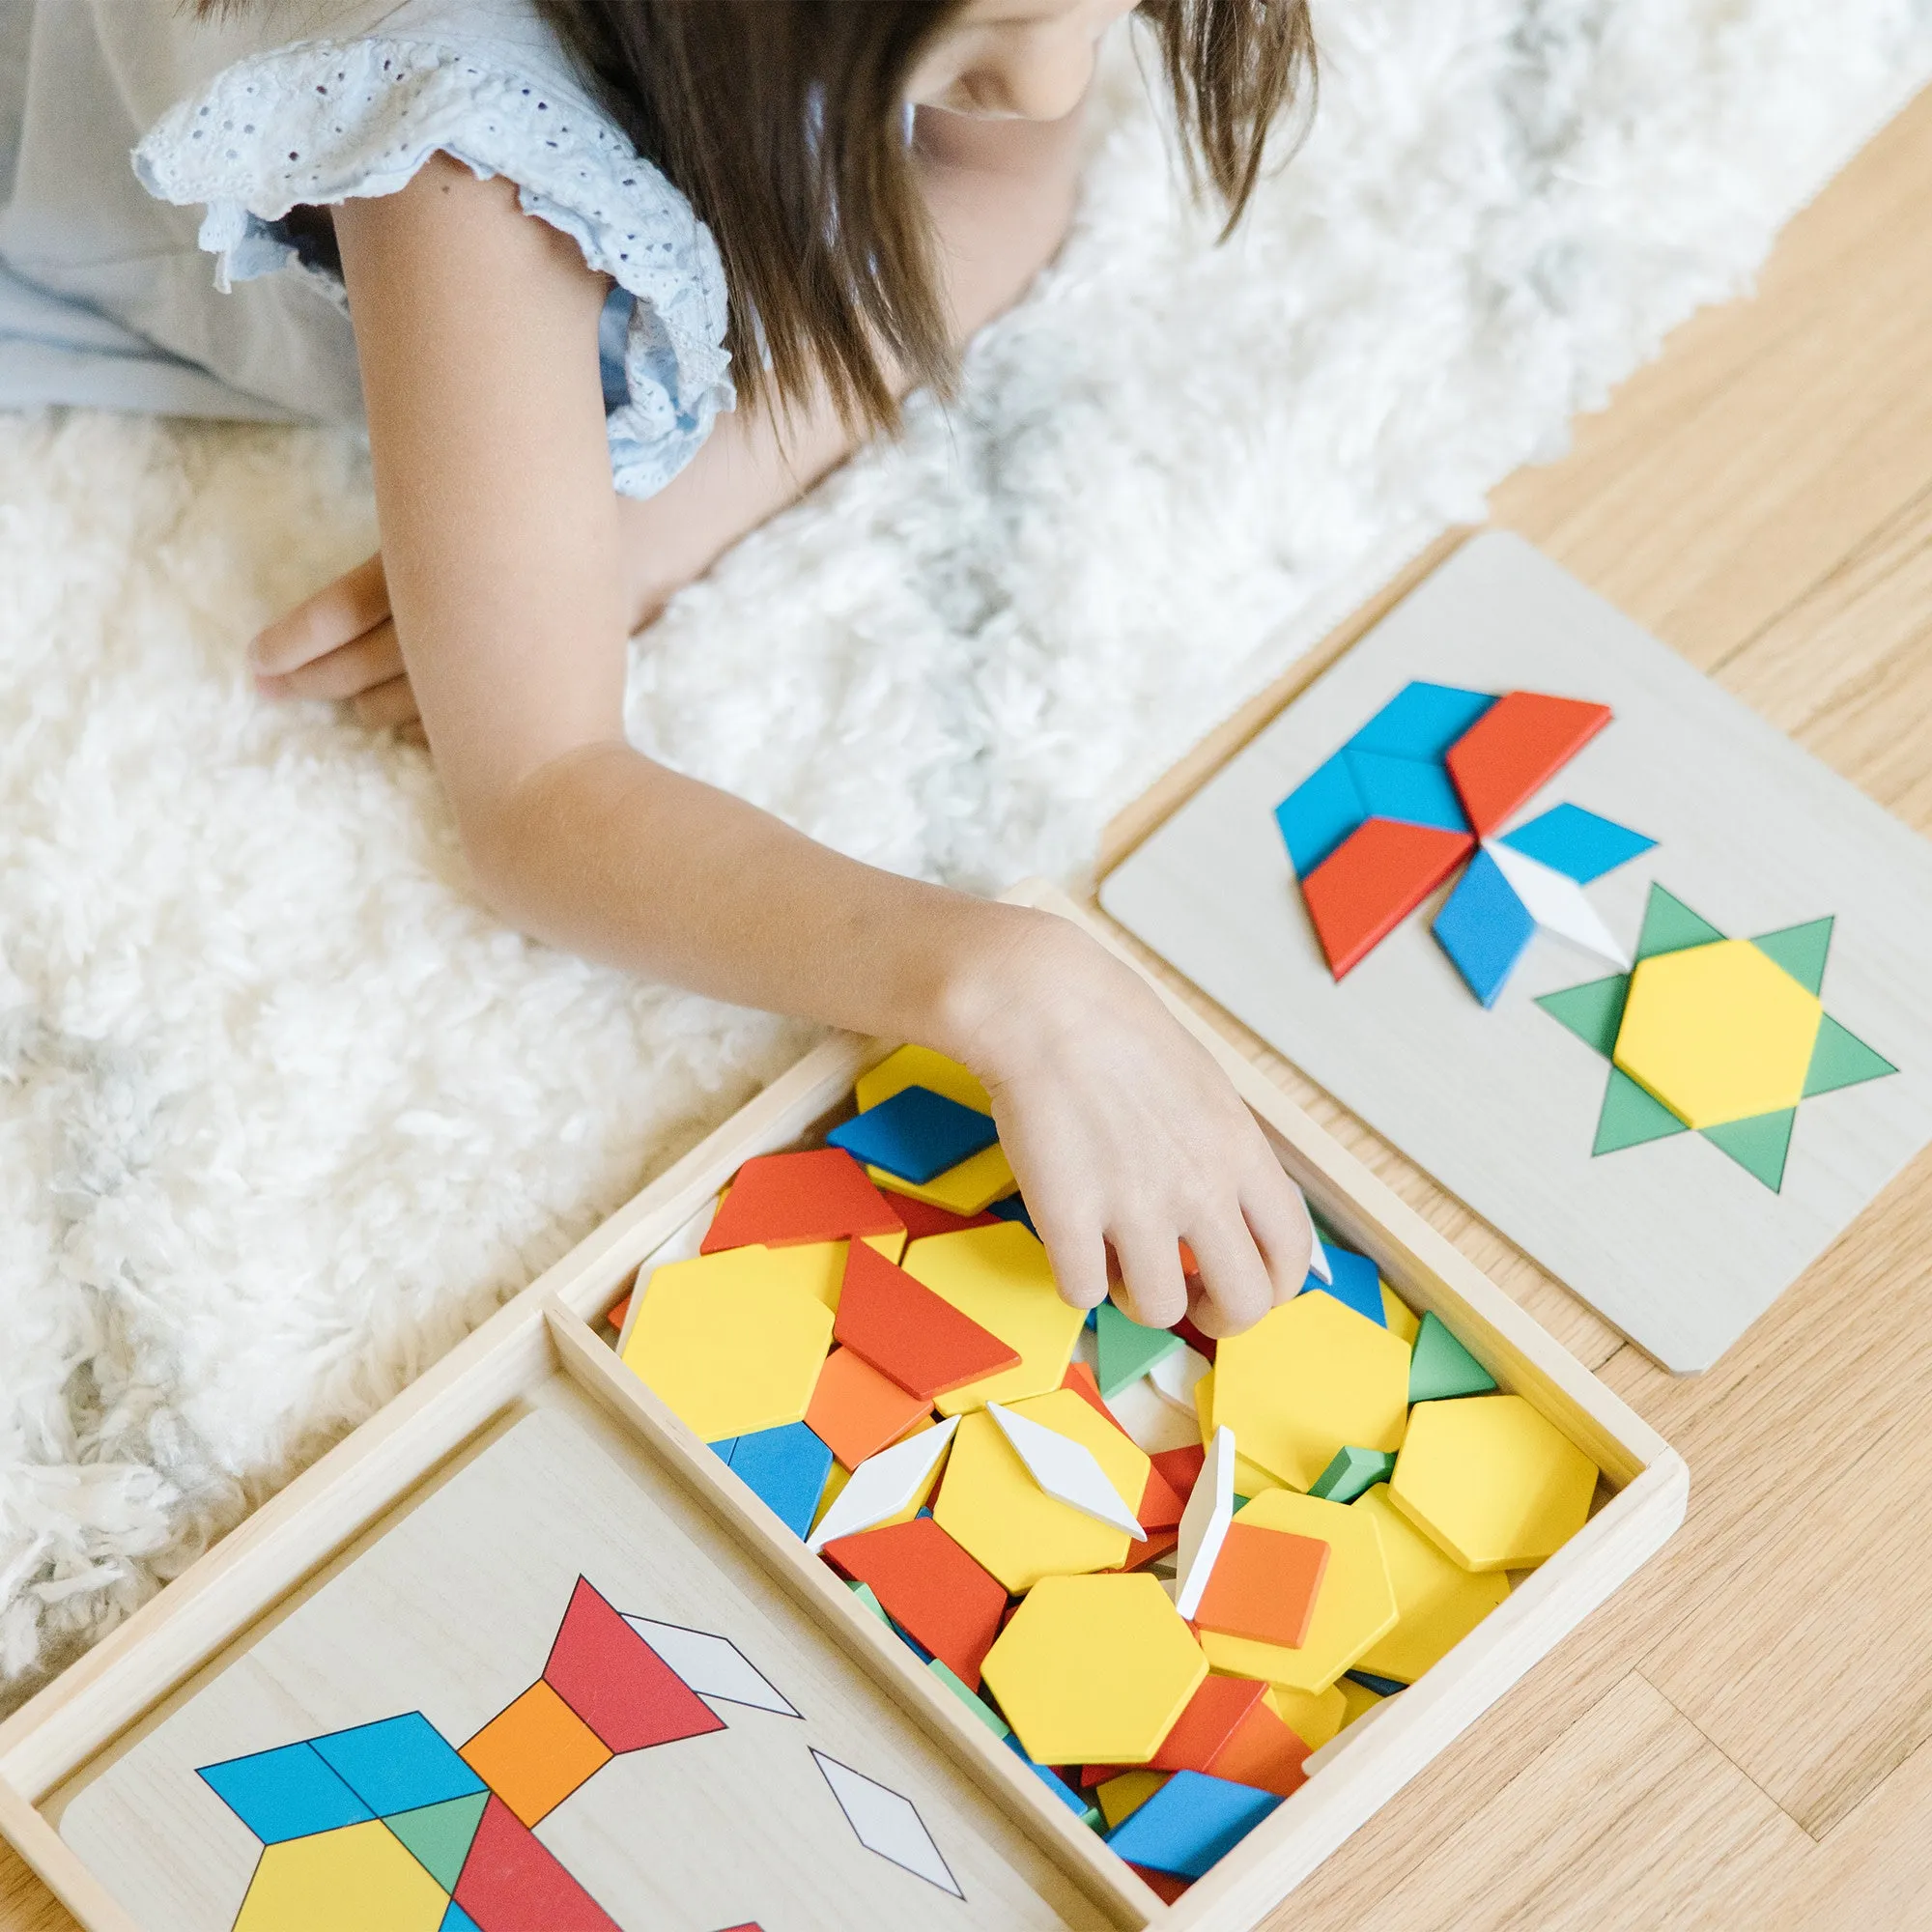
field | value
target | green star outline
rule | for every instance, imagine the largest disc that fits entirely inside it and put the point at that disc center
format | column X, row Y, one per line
column 1631, row 1117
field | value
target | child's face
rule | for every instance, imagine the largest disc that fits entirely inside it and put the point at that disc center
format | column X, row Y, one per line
column 1025, row 60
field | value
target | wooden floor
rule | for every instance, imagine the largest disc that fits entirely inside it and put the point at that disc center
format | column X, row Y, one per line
column 1736, row 1741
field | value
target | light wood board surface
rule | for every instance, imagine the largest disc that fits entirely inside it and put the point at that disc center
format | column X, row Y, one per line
column 1761, row 498
column 1673, row 1242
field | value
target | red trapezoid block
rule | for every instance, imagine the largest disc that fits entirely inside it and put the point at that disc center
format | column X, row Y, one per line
column 780, row 1200
column 910, row 1334
column 1372, row 881
column 511, row 1881
column 930, row 1587
column 617, row 1684
column 1516, row 747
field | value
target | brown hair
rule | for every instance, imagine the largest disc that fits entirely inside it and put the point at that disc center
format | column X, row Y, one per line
column 783, row 124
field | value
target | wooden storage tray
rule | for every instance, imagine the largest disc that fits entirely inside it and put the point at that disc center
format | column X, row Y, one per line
column 549, row 1348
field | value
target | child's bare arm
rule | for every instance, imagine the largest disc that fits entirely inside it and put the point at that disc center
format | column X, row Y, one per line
column 504, row 571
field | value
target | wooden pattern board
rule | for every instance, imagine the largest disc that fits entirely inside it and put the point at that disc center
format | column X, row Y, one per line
column 1671, row 1241
column 452, row 1612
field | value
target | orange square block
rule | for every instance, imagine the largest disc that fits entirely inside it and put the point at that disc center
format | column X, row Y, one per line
column 1263, row 1585
column 1264, row 1754
column 856, row 1411
column 534, row 1752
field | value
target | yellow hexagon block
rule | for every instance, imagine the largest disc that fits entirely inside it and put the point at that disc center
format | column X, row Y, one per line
column 1094, row 1669
column 733, row 1341
column 1492, row 1482
column 1717, row 1032
column 1354, row 1608
column 1438, row 1602
column 970, row 1188
column 990, row 1505
column 1312, row 1716
column 1307, row 1380
column 1001, row 1277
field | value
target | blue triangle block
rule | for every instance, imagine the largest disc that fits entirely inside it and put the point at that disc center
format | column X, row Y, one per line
column 1048, row 1776
column 1484, row 928
column 1319, row 813
column 787, row 1467
column 456, row 1919
column 1577, row 844
column 399, row 1764
column 285, row 1793
column 1382, row 1687
column 1357, row 1284
column 916, row 1134
column 1407, row 790
column 1191, row 1824
column 1421, row 721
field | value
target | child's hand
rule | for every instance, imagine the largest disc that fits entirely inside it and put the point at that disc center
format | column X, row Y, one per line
column 339, row 644
column 1124, row 1135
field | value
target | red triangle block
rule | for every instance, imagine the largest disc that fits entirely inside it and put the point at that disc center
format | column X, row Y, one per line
column 1201, row 1345
column 780, row 1200
column 1081, row 1379
column 511, row 1881
column 1374, row 880
column 1517, row 746
column 617, row 1684
column 928, row 1585
column 908, row 1333
column 922, row 1218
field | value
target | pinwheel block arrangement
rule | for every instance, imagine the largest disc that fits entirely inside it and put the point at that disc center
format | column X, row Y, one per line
column 1426, row 785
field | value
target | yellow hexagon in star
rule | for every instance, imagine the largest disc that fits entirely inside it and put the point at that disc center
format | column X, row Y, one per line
column 1493, row 1481
column 1094, row 1669
column 990, row 1505
column 1717, row 1032
column 1307, row 1380
column 1438, row 1602
column 1001, row 1277
column 733, row 1341
column 1354, row 1608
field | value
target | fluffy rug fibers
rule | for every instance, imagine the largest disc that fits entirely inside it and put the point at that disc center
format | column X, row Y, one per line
column 283, row 1110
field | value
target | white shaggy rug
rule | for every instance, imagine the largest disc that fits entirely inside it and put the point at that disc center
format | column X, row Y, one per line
column 283, row 1111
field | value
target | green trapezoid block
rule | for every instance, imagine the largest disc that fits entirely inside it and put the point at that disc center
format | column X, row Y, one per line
column 1669, row 925
column 1800, row 949
column 1757, row 1144
column 1593, row 1012
column 1124, row 1350
column 1631, row 1117
column 1440, row 1368
column 1841, row 1058
column 439, row 1836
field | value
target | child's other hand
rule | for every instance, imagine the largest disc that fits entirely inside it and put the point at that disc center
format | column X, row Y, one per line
column 340, row 644
column 1124, row 1135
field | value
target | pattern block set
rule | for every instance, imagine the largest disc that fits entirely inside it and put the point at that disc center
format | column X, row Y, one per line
column 1160, row 1570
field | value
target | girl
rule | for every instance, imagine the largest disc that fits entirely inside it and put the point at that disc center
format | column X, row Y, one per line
column 570, row 234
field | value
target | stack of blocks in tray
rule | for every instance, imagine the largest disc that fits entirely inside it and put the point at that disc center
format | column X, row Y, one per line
column 1160, row 1570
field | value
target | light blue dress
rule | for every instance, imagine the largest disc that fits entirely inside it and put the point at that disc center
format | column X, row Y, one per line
column 150, row 164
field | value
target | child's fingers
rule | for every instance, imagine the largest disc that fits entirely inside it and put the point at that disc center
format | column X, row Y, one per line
column 1237, row 1291
column 1154, row 1292
column 335, row 615
column 1077, row 1254
column 391, row 703
column 1277, row 1217
column 373, row 658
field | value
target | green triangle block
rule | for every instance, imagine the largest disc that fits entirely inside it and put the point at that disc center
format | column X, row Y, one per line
column 1440, row 1368
column 1758, row 1144
column 1631, row 1117
column 1593, row 1012
column 1800, row 949
column 864, row 1594
column 439, row 1836
column 1124, row 1350
column 1841, row 1058
column 1354, row 1472
column 969, row 1697
column 1669, row 925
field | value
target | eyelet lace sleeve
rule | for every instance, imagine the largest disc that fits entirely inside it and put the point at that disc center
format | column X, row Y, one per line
column 320, row 122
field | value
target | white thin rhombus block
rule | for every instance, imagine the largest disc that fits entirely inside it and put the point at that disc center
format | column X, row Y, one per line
column 1068, row 1470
